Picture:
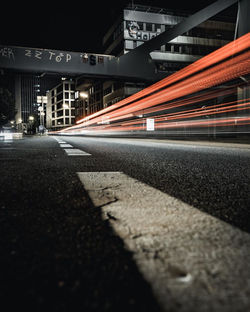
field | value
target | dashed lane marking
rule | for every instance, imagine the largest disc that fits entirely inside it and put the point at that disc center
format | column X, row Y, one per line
column 76, row 152
column 65, row 145
column 192, row 260
column 60, row 141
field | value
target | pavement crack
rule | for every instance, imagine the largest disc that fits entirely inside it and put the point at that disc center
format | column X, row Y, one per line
column 105, row 188
column 111, row 217
column 108, row 203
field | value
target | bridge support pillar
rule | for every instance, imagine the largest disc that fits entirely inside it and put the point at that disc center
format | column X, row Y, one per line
column 243, row 28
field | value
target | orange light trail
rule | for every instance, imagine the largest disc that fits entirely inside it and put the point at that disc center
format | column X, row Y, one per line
column 222, row 66
column 222, row 53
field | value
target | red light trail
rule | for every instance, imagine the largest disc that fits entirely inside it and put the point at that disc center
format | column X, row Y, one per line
column 164, row 101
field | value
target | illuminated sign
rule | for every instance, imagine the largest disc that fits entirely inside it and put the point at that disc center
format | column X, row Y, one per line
column 133, row 29
column 92, row 59
column 150, row 124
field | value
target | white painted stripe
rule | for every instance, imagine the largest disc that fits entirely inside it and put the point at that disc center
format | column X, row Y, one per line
column 65, row 145
column 60, row 141
column 76, row 152
column 193, row 261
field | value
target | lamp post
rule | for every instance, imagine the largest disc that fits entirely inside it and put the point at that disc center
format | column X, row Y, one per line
column 41, row 113
column 42, row 100
column 31, row 120
column 84, row 96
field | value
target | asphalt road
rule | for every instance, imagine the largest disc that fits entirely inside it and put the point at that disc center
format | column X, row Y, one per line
column 58, row 252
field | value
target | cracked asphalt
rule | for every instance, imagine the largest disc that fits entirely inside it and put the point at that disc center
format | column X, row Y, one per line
column 57, row 253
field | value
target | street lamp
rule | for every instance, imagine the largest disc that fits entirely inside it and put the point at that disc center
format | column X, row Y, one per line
column 84, row 95
column 31, row 120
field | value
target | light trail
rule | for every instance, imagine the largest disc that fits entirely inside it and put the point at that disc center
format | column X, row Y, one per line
column 222, row 53
column 161, row 100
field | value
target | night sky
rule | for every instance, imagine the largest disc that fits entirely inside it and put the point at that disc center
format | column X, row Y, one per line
column 69, row 25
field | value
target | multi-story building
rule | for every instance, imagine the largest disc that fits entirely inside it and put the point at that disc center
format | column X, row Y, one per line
column 27, row 88
column 61, row 105
column 138, row 24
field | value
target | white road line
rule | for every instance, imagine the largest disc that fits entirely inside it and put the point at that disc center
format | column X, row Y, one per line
column 60, row 141
column 65, row 145
column 193, row 261
column 76, row 152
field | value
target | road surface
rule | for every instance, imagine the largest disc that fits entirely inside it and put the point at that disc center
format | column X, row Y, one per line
column 102, row 224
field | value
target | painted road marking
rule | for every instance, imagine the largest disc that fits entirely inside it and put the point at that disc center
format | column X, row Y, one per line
column 65, row 145
column 76, row 152
column 193, row 261
column 60, row 141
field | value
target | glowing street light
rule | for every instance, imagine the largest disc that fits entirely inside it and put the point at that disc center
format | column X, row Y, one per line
column 84, row 95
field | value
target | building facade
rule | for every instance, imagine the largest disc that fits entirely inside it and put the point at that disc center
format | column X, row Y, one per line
column 27, row 88
column 61, row 105
column 138, row 24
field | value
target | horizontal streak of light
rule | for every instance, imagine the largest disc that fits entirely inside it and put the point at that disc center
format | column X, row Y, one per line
column 220, row 73
column 191, row 100
column 198, row 98
column 229, row 70
column 186, row 124
column 224, row 52
column 212, row 111
column 209, row 78
column 198, row 112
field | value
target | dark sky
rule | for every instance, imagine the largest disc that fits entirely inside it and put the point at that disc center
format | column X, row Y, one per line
column 69, row 25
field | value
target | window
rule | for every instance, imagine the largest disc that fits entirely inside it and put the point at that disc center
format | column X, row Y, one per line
column 67, row 121
column 59, row 89
column 149, row 27
column 60, row 113
column 59, row 97
column 140, row 24
column 107, row 90
column 66, row 95
column 158, row 27
column 66, row 86
column 66, row 112
column 168, row 47
column 176, row 48
column 60, row 121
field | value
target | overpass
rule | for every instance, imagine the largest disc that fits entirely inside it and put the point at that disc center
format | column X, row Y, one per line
column 136, row 64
